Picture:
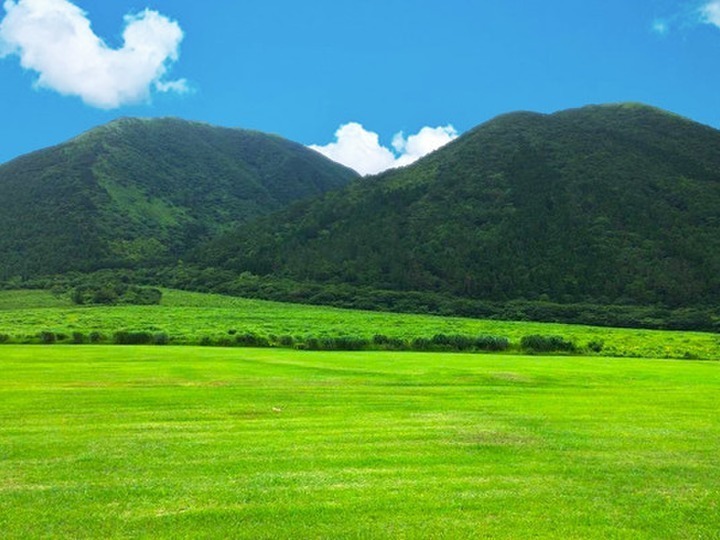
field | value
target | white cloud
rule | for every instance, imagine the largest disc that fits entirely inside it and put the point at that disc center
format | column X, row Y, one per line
column 360, row 149
column 54, row 38
column 710, row 13
column 660, row 27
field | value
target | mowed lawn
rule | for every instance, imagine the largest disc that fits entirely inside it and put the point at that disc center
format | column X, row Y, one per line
column 184, row 442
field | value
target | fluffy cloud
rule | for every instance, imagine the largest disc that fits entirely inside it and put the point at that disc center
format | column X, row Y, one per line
column 54, row 38
column 710, row 13
column 360, row 149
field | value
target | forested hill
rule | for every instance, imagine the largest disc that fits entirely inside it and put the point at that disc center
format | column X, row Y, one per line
column 604, row 204
column 137, row 191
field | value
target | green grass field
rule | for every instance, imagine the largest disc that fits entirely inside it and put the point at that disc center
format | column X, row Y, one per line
column 188, row 318
column 189, row 442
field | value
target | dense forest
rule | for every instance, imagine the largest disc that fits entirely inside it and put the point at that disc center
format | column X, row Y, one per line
column 600, row 205
column 137, row 192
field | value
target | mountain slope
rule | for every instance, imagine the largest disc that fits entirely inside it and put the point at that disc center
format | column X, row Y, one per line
column 135, row 191
column 605, row 204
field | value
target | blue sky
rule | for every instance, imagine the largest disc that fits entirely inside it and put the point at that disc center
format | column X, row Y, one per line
column 303, row 69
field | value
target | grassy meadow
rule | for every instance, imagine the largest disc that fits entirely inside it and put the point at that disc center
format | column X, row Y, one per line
column 191, row 442
column 188, row 318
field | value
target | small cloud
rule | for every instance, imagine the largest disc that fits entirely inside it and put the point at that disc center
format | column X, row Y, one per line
column 54, row 38
column 422, row 143
column 360, row 149
column 660, row 27
column 710, row 13
column 179, row 87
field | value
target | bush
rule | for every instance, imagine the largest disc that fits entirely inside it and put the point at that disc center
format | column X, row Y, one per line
column 540, row 344
column 492, row 343
column 141, row 296
column 96, row 337
column 224, row 342
column 420, row 344
column 78, row 338
column 286, row 341
column 251, row 340
column 47, row 338
column 310, row 344
column 133, row 338
column 161, row 338
column 346, row 343
column 596, row 346
column 4, row 338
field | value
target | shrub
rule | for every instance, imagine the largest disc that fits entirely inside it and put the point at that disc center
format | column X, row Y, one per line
column 78, row 338
column 96, row 337
column 420, row 344
column 251, row 340
column 346, row 343
column 596, row 346
column 537, row 343
column 133, row 338
column 47, row 337
column 4, row 338
column 161, row 338
column 311, row 344
column 286, row 341
column 492, row 343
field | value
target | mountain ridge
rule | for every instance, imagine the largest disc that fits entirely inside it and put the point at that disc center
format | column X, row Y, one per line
column 137, row 190
column 604, row 204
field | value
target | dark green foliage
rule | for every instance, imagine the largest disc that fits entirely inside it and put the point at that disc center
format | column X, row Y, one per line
column 161, row 338
column 4, row 338
column 597, row 206
column 545, row 344
column 389, row 343
column 420, row 344
column 110, row 293
column 141, row 296
column 48, row 338
column 491, row 343
column 596, row 346
column 143, row 191
column 78, row 338
column 133, row 338
column 96, row 337
column 251, row 340
column 286, row 341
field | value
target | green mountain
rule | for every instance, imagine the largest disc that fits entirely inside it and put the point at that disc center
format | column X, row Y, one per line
column 604, row 204
column 138, row 191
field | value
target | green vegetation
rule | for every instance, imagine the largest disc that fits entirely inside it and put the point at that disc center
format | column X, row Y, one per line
column 186, row 318
column 604, row 216
column 120, row 442
column 138, row 192
column 115, row 293
column 596, row 206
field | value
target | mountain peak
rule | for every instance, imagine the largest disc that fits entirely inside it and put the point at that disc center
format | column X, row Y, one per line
column 139, row 190
column 602, row 204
